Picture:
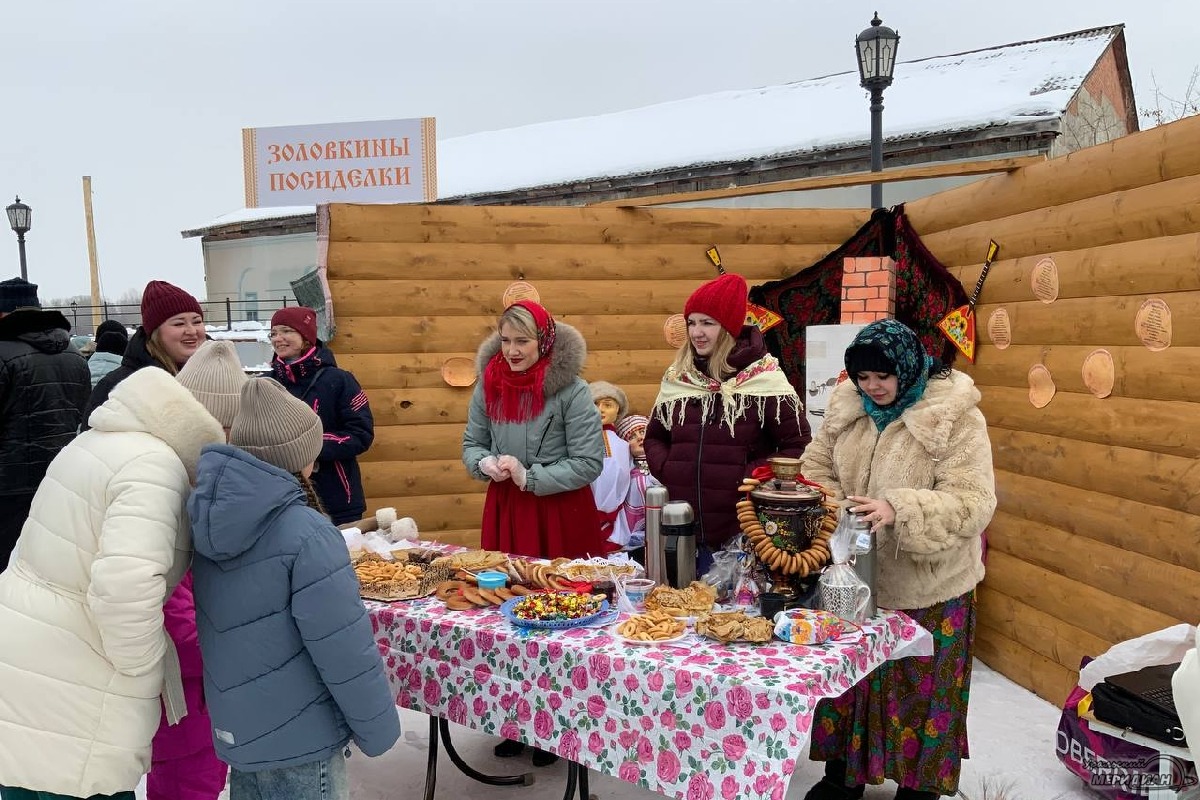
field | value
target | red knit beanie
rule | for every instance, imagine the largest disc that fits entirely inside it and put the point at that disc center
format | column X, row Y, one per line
column 300, row 319
column 723, row 299
column 161, row 301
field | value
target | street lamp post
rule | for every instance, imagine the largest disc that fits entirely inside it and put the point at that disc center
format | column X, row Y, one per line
column 20, row 217
column 876, row 51
column 74, row 315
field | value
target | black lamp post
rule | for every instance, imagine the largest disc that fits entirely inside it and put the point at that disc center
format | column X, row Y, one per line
column 20, row 217
column 876, row 50
column 74, row 315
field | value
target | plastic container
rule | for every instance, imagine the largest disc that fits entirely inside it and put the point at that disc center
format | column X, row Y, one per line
column 635, row 590
column 491, row 580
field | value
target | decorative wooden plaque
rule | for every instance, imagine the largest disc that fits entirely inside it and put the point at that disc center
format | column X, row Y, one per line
column 1000, row 329
column 1153, row 324
column 1044, row 280
column 1099, row 374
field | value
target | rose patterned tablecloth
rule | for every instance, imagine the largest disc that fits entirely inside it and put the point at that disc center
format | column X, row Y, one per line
column 694, row 719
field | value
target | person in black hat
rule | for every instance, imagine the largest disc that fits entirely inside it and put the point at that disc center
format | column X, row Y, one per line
column 44, row 386
column 111, row 341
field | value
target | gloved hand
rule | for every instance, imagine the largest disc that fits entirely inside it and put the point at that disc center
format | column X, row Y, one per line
column 515, row 469
column 490, row 466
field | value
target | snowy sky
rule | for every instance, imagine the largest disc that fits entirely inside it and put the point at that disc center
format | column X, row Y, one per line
column 149, row 98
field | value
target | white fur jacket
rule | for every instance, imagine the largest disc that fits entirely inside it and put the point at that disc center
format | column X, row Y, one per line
column 82, row 645
column 934, row 465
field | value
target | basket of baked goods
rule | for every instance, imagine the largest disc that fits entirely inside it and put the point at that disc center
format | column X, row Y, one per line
column 554, row 609
column 397, row 579
column 734, row 626
column 688, row 603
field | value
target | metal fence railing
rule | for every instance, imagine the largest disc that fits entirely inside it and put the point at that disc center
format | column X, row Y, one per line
column 216, row 312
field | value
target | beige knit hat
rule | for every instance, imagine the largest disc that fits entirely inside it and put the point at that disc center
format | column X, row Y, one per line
column 215, row 377
column 276, row 427
column 603, row 389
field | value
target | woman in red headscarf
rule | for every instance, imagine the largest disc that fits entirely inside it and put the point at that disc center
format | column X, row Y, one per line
column 533, row 431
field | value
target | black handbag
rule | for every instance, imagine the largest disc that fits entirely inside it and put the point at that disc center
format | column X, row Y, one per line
column 1124, row 709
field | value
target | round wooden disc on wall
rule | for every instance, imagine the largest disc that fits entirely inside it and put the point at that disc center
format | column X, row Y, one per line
column 1044, row 280
column 675, row 330
column 520, row 290
column 458, row 371
column 1099, row 374
column 1041, row 386
column 1000, row 329
column 1153, row 324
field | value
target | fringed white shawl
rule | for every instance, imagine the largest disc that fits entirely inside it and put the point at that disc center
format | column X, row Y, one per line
column 753, row 385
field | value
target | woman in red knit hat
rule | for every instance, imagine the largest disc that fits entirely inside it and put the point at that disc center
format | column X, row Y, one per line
column 724, row 406
column 306, row 368
column 172, row 330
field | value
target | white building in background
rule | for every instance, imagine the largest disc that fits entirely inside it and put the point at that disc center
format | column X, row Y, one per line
column 1045, row 97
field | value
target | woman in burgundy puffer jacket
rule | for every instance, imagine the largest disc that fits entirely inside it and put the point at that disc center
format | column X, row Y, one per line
column 724, row 406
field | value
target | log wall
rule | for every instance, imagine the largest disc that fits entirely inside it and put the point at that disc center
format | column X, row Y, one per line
column 413, row 285
column 1097, row 534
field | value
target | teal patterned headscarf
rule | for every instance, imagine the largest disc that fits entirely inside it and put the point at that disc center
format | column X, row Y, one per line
column 890, row 347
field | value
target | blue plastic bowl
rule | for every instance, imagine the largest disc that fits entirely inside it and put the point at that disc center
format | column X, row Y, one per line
column 491, row 580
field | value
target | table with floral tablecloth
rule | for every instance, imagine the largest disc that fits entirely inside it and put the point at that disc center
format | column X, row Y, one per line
column 694, row 719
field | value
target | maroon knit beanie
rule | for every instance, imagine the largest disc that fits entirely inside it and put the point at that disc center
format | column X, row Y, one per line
column 300, row 319
column 723, row 299
column 161, row 301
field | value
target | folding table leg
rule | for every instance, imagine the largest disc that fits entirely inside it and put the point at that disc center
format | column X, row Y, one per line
column 466, row 769
column 431, row 765
column 572, row 776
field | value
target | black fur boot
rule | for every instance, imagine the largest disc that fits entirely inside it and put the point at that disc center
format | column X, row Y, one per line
column 833, row 785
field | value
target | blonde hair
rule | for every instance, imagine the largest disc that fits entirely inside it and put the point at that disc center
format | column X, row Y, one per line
column 158, row 353
column 520, row 319
column 718, row 362
column 310, row 493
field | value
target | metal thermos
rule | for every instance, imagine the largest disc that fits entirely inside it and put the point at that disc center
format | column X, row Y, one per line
column 656, row 553
column 678, row 525
column 866, row 562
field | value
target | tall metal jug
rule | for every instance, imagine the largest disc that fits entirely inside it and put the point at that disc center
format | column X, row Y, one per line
column 656, row 553
column 678, row 524
column 866, row 562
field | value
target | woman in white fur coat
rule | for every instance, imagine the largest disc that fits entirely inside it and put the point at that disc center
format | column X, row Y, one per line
column 83, row 653
column 904, row 444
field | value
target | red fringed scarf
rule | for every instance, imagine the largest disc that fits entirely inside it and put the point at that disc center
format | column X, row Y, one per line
column 520, row 396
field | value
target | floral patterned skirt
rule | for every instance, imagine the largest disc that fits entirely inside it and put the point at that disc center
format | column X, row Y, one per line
column 907, row 721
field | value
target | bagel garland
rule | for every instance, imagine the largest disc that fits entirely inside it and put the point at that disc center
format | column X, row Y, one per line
column 775, row 554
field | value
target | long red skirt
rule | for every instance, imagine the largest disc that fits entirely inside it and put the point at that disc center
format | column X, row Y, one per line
column 563, row 525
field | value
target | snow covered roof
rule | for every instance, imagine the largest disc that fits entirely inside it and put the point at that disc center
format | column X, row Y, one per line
column 997, row 86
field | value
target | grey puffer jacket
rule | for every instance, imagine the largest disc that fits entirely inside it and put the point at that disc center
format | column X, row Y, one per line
column 563, row 447
column 291, row 669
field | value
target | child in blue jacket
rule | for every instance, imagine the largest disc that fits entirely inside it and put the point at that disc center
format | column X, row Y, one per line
column 291, row 669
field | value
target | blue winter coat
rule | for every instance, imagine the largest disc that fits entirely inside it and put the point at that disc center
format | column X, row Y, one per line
column 291, row 670
column 346, row 419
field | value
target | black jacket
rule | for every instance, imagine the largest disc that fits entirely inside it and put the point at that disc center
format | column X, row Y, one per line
column 136, row 356
column 347, row 422
column 44, row 386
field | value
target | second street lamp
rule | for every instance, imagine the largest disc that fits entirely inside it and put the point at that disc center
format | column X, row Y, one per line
column 876, row 51
column 20, row 218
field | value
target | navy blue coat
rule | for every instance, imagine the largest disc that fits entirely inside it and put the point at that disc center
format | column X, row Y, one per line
column 291, row 669
column 346, row 419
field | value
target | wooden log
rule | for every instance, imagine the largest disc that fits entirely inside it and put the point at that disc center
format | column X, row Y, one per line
column 1148, row 582
column 432, row 442
column 1146, row 212
column 1141, row 373
column 448, row 405
column 1159, row 154
column 948, row 169
column 436, row 334
column 1050, row 681
column 1165, row 264
column 575, row 225
column 1161, row 533
column 424, row 370
column 538, row 262
column 1095, row 321
column 1141, row 475
column 380, row 298
column 1082, row 605
column 1046, row 635
column 1162, row 426
column 438, row 512
column 417, row 478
